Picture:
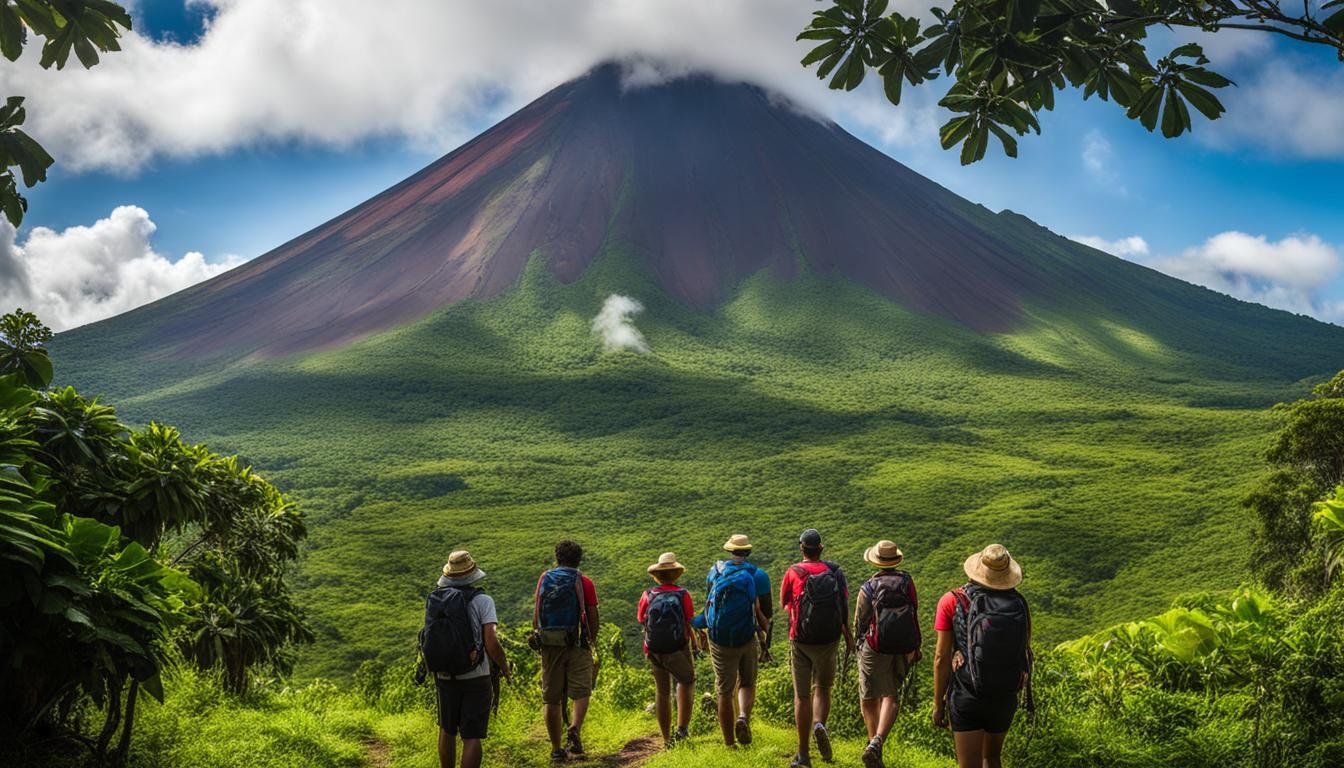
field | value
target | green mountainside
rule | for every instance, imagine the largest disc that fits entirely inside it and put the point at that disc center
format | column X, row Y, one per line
column 1107, row 441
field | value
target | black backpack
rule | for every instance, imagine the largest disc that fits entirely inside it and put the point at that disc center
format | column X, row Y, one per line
column 821, row 606
column 448, row 639
column 992, row 629
column 895, row 627
column 665, row 621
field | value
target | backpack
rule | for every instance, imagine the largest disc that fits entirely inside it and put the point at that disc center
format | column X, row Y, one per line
column 821, row 606
column 894, row 628
column 448, row 638
column 992, row 629
column 665, row 620
column 559, row 606
column 729, row 610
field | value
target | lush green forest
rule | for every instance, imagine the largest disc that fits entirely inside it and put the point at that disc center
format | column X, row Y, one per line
column 1111, row 455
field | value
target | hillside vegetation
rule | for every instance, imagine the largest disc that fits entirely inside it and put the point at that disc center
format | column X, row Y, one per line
column 1108, row 448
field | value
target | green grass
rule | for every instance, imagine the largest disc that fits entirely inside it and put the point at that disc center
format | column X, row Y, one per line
column 1108, row 448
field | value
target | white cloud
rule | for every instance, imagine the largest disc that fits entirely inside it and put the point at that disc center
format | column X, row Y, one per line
column 83, row 274
column 1124, row 247
column 613, row 325
column 1099, row 161
column 1289, row 107
column 333, row 72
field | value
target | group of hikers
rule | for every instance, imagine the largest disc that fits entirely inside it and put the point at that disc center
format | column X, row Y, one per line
column 982, row 659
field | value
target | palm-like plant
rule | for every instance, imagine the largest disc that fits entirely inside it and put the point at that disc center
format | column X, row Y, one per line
column 1329, row 520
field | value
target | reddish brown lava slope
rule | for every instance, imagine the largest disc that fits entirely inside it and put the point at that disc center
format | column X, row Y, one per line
column 707, row 182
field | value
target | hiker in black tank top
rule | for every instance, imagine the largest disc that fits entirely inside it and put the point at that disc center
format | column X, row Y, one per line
column 982, row 663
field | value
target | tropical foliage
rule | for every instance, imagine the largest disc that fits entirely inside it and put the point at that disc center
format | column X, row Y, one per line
column 1307, row 460
column 1008, row 58
column 118, row 545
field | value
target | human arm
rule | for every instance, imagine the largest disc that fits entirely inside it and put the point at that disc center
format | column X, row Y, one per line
column 844, row 624
column 942, row 676
column 496, row 651
column 918, row 653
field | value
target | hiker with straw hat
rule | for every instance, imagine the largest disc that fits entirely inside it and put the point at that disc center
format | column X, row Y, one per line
column 458, row 644
column 886, row 622
column 665, row 612
column 983, row 658
column 735, row 623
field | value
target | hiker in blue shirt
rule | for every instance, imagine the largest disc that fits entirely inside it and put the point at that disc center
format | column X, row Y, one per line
column 735, row 619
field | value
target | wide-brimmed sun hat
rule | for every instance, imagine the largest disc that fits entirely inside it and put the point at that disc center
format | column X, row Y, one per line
column 737, row 542
column 667, row 562
column 884, row 554
column 993, row 567
column 460, row 570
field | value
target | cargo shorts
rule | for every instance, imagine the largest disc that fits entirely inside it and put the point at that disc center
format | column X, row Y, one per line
column 566, row 671
column 678, row 664
column 880, row 674
column 813, row 666
column 734, row 667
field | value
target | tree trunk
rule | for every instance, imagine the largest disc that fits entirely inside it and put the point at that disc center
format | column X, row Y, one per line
column 112, row 721
column 127, row 722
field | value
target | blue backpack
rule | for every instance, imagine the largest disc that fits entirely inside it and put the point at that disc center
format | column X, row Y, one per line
column 558, row 602
column 730, row 611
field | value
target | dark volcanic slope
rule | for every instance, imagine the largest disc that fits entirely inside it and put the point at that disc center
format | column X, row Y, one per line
column 707, row 182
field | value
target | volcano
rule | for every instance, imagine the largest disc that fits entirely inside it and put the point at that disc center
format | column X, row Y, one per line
column 707, row 182
column 834, row 342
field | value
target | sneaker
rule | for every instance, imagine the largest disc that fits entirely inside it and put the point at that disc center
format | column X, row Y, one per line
column 742, row 731
column 682, row 734
column 800, row 761
column 823, row 739
column 872, row 754
column 559, row 755
column 572, row 741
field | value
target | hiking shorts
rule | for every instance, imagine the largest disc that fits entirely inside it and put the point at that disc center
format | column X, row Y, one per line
column 566, row 671
column 678, row 664
column 735, row 667
column 813, row 666
column 881, row 675
column 991, row 714
column 464, row 705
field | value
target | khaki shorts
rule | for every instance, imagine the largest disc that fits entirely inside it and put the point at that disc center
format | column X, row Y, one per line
column 566, row 671
column 880, row 674
column 813, row 666
column 734, row 667
column 678, row 664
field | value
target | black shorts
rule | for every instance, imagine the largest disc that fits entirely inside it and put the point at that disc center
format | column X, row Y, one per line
column 464, row 706
column 991, row 714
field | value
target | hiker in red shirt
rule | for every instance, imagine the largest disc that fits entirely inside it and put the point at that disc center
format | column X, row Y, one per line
column 665, row 613
column 817, row 599
column 983, row 659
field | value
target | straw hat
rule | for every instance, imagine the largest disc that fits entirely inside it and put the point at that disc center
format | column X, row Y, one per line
column 993, row 567
column 737, row 541
column 667, row 562
column 460, row 570
column 884, row 554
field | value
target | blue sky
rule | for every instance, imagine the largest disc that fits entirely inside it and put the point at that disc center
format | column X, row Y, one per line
column 231, row 193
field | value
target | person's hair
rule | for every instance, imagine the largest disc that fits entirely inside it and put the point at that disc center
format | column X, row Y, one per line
column 811, row 551
column 568, row 553
column 667, row 577
column 740, row 553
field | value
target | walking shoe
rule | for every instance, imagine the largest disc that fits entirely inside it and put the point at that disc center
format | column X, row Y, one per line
column 742, row 731
column 572, row 741
column 872, row 754
column 823, row 738
column 559, row 755
column 800, row 761
column 682, row 734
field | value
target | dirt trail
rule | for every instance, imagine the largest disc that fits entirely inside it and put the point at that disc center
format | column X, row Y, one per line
column 634, row 752
column 380, row 755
